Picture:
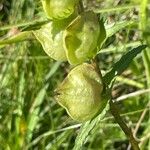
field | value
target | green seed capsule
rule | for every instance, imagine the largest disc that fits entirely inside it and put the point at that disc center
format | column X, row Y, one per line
column 80, row 93
column 51, row 38
column 82, row 37
column 59, row 9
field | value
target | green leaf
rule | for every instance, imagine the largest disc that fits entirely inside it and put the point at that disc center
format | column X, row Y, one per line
column 88, row 126
column 122, row 64
column 33, row 117
column 22, row 36
column 102, row 36
column 111, row 30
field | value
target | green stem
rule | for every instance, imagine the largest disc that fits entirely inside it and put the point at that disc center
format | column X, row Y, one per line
column 146, row 57
column 143, row 27
column 81, row 7
column 115, row 112
column 95, row 61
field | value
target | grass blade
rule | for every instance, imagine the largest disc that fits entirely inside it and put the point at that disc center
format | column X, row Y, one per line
column 22, row 36
column 113, row 29
column 34, row 111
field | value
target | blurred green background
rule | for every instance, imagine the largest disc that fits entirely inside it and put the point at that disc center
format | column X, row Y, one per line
column 30, row 118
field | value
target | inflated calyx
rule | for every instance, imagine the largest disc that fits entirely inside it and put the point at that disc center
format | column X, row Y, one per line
column 59, row 9
column 82, row 37
column 80, row 93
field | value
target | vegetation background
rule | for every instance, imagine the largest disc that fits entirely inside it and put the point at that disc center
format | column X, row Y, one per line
column 30, row 118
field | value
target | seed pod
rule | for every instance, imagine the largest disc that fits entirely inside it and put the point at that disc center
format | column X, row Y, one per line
column 82, row 37
column 51, row 38
column 59, row 9
column 80, row 93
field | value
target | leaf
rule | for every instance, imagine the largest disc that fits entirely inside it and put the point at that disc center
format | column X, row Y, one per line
column 111, row 30
column 122, row 64
column 33, row 117
column 22, row 36
column 87, row 127
column 102, row 36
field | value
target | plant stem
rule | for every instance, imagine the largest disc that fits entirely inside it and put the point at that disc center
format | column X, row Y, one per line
column 143, row 27
column 81, row 7
column 95, row 61
column 115, row 112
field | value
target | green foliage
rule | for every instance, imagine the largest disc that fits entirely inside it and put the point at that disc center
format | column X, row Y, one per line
column 117, row 69
column 30, row 117
column 89, row 125
column 122, row 64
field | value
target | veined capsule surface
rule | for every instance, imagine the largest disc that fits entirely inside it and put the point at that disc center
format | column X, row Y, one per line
column 59, row 9
column 51, row 38
column 80, row 93
column 82, row 37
